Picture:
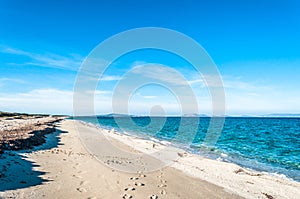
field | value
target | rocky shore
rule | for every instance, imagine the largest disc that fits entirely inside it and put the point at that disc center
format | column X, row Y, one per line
column 24, row 131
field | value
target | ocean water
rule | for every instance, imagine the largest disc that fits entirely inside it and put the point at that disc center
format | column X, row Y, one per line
column 264, row 144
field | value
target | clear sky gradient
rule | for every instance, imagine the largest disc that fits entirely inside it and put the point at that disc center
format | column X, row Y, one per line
column 255, row 44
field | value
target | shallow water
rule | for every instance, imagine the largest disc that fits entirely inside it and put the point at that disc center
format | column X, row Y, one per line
column 264, row 144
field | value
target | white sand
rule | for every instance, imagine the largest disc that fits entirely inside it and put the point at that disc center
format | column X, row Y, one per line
column 74, row 172
column 233, row 178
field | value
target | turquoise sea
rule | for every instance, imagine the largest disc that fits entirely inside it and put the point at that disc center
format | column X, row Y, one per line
column 264, row 144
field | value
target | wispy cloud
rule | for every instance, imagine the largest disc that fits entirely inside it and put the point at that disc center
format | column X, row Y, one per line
column 5, row 80
column 234, row 83
column 229, row 82
column 50, row 100
column 183, row 77
column 61, row 101
column 98, row 92
column 38, row 101
column 196, row 81
column 165, row 74
column 51, row 60
column 110, row 78
column 160, row 73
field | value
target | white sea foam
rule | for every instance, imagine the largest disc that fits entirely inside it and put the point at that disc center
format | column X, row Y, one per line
column 224, row 155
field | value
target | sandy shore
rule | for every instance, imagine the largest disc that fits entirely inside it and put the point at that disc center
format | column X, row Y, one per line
column 64, row 167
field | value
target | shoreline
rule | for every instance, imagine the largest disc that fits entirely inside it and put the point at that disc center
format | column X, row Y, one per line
column 220, row 158
column 63, row 167
column 66, row 169
column 234, row 178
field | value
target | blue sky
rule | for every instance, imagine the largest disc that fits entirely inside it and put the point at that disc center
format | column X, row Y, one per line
column 255, row 45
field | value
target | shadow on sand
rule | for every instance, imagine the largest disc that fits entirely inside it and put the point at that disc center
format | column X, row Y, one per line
column 17, row 171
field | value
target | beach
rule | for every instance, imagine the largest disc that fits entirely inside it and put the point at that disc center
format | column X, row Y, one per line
column 66, row 166
column 149, row 99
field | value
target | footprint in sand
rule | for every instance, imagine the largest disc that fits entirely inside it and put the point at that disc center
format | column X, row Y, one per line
column 163, row 192
column 83, row 183
column 129, row 189
column 140, row 184
column 127, row 196
column 153, row 197
column 80, row 189
column 162, row 185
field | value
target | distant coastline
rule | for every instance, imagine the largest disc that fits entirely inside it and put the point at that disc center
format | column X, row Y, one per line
column 272, row 115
